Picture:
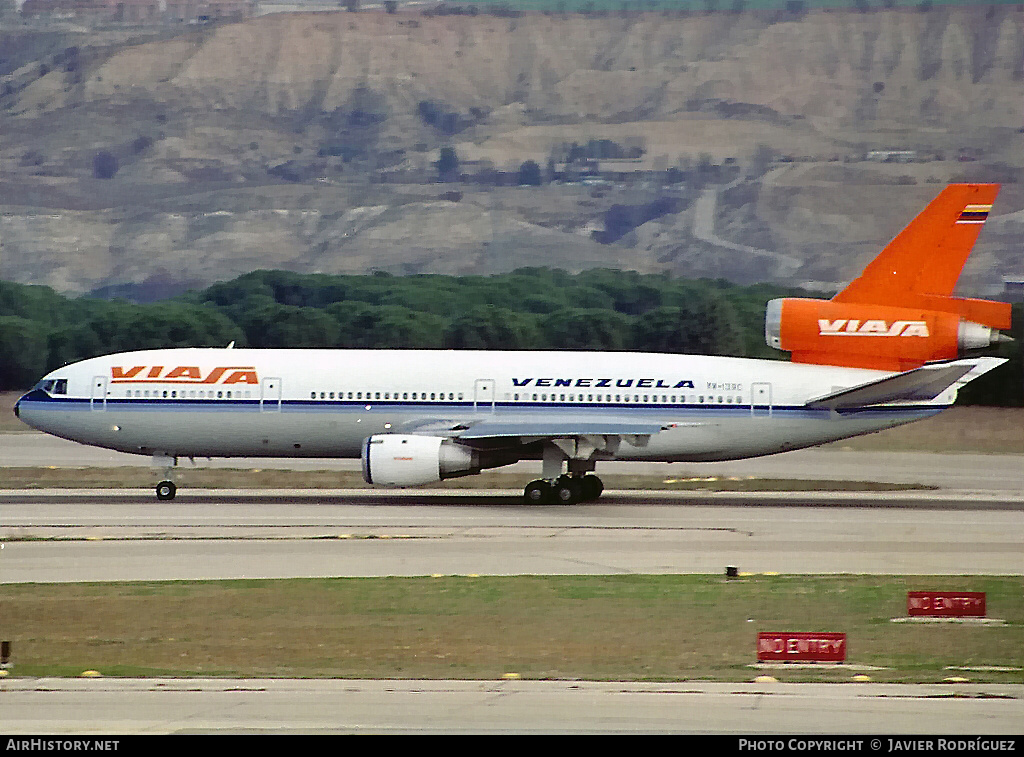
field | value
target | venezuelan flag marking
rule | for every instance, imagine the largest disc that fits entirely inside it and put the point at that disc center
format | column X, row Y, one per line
column 974, row 214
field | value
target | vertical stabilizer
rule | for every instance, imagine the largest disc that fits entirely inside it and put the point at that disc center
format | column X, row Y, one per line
column 925, row 260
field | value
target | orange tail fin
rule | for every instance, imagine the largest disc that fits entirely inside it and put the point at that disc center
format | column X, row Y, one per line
column 900, row 313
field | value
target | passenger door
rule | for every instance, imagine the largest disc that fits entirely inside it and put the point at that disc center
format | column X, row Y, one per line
column 270, row 395
column 761, row 399
column 483, row 394
column 98, row 395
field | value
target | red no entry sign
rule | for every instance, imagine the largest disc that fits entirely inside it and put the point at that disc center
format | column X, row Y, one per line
column 795, row 646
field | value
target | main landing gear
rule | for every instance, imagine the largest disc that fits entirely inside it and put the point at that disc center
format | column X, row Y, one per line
column 568, row 476
column 564, row 490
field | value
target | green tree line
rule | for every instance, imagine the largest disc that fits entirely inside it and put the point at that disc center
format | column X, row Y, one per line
column 532, row 308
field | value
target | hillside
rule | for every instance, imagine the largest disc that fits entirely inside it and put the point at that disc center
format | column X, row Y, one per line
column 310, row 142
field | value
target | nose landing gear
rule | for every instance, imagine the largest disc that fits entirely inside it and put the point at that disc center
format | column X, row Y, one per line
column 166, row 489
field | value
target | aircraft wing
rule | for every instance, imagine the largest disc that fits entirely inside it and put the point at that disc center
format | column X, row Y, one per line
column 601, row 432
column 917, row 385
column 547, row 429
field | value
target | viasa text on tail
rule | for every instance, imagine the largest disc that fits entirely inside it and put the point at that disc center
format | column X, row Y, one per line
column 893, row 347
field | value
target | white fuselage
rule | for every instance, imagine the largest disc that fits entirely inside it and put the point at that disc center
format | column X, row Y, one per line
column 323, row 403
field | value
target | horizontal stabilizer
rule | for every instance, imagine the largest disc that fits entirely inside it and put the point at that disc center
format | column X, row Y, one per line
column 918, row 385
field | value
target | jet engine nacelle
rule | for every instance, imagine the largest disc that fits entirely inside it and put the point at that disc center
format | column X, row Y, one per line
column 409, row 460
column 870, row 336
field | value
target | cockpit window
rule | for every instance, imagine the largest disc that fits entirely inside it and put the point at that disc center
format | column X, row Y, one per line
column 53, row 386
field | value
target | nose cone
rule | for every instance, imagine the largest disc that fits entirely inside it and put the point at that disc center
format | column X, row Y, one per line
column 17, row 406
column 24, row 402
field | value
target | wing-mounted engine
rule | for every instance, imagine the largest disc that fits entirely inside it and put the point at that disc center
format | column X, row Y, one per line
column 876, row 336
column 411, row 460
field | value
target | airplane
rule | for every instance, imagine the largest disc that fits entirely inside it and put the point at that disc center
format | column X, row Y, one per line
column 892, row 347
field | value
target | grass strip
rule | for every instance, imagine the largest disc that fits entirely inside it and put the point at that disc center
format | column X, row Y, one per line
column 632, row 628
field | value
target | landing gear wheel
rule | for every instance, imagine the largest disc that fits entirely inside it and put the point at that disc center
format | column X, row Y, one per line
column 166, row 490
column 567, row 491
column 592, row 488
column 537, row 493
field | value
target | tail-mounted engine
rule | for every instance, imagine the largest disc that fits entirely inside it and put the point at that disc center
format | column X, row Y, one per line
column 881, row 337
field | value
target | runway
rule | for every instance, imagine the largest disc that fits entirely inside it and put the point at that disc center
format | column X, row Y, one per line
column 62, row 536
